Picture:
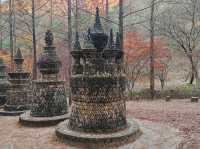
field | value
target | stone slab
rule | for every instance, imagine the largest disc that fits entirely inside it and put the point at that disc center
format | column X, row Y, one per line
column 10, row 113
column 27, row 120
column 132, row 132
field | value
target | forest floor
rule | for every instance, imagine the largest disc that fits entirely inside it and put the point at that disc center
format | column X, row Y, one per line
column 165, row 125
column 180, row 114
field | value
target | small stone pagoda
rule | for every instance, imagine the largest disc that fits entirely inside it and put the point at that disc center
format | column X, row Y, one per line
column 50, row 103
column 19, row 94
column 98, row 111
column 4, row 83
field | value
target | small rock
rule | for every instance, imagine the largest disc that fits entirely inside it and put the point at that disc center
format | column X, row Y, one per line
column 168, row 98
column 137, row 98
column 194, row 99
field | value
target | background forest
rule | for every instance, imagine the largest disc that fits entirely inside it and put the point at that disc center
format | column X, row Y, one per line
column 173, row 26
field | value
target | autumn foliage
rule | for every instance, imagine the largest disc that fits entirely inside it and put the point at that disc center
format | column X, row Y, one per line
column 136, row 55
column 92, row 4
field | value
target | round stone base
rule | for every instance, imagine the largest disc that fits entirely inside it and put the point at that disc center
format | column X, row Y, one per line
column 27, row 120
column 132, row 132
column 10, row 113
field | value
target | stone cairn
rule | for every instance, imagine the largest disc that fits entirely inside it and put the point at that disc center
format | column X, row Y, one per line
column 50, row 103
column 4, row 83
column 19, row 94
column 98, row 111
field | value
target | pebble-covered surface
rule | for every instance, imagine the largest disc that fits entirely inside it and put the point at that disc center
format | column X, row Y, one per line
column 156, row 119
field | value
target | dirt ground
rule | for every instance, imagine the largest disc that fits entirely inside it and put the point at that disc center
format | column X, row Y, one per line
column 159, row 119
column 180, row 114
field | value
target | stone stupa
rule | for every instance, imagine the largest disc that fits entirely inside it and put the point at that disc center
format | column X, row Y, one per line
column 19, row 94
column 4, row 83
column 98, row 111
column 50, row 100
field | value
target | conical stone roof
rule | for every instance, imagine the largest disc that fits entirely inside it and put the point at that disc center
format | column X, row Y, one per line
column 99, row 38
column 77, row 45
column 18, row 54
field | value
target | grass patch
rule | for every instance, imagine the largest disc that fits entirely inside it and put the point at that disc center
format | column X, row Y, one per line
column 182, row 92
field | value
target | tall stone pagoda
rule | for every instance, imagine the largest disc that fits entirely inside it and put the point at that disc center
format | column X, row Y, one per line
column 19, row 94
column 98, row 111
column 4, row 83
column 50, row 103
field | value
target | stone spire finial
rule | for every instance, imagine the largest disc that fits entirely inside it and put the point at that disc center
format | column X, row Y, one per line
column 117, row 42
column 77, row 45
column 97, row 25
column 99, row 38
column 18, row 58
column 111, row 41
column 49, row 38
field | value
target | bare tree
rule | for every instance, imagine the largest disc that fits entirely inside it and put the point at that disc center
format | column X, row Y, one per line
column 107, row 15
column 1, row 30
column 51, row 14
column 14, row 27
column 69, row 38
column 134, row 70
column 11, row 32
column 152, row 32
column 77, row 16
column 121, row 23
column 34, row 42
column 181, row 24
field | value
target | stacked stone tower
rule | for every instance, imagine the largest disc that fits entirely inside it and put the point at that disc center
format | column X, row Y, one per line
column 98, row 111
column 4, row 84
column 50, row 101
column 19, row 94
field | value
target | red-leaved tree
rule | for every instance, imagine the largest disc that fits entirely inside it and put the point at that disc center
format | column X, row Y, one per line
column 136, row 59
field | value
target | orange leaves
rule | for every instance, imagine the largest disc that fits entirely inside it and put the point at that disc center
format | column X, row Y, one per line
column 27, row 65
column 136, row 48
column 92, row 4
column 136, row 56
column 5, row 56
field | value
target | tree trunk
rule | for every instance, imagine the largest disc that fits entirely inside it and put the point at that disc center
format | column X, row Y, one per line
column 107, row 15
column 11, row 33
column 51, row 15
column 77, row 17
column 34, row 42
column 1, row 40
column 1, row 30
column 69, row 43
column 162, row 83
column 192, row 78
column 152, row 75
column 121, row 23
column 194, row 72
column 14, row 28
